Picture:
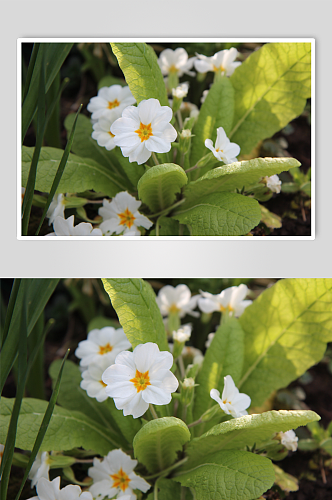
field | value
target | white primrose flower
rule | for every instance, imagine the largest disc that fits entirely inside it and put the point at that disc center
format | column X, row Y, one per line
column 121, row 215
column 230, row 299
column 92, row 382
column 114, row 475
column 111, row 98
column 40, row 468
column 222, row 61
column 56, row 208
column 176, row 61
column 50, row 490
column 107, row 342
column 289, row 439
column 181, row 91
column 144, row 129
column 273, row 183
column 177, row 300
column 102, row 129
column 182, row 334
column 224, row 150
column 65, row 227
column 232, row 401
column 139, row 378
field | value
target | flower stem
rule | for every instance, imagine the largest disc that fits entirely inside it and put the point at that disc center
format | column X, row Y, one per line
column 155, row 159
column 165, row 472
column 153, row 411
column 168, row 209
column 179, row 117
column 181, row 366
column 197, row 422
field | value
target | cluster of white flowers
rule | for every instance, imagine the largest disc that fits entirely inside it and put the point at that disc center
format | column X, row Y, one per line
column 65, row 227
column 50, row 490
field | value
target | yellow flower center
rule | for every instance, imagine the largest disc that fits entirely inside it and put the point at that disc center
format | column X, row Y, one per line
column 126, row 218
column 144, row 131
column 110, row 133
column 113, row 104
column 223, row 309
column 221, row 150
column 174, row 309
column 121, row 480
column 225, row 401
column 103, row 349
column 141, row 380
column 173, row 69
column 218, row 68
column 102, row 383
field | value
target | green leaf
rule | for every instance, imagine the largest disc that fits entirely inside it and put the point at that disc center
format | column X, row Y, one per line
column 271, row 220
column 158, row 187
column 216, row 111
column 167, row 489
column 295, row 323
column 235, row 475
column 157, row 443
column 139, row 65
column 66, row 430
column 235, row 176
column 285, row 481
column 271, row 89
column 166, row 226
column 223, row 357
column 135, row 304
column 246, row 431
column 221, row 214
column 80, row 173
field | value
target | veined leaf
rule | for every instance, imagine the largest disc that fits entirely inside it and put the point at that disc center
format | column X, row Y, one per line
column 139, row 65
column 66, row 430
column 217, row 111
column 246, row 431
column 166, row 227
column 157, row 443
column 235, row 475
column 167, row 489
column 158, row 187
column 80, row 174
column 271, row 89
column 235, row 176
column 223, row 357
column 135, row 304
column 221, row 214
column 295, row 323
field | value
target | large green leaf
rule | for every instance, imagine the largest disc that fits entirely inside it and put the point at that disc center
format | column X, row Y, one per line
column 166, row 227
column 86, row 147
column 139, row 65
column 271, row 89
column 217, row 111
column 223, row 357
column 235, row 475
column 158, row 187
column 80, row 174
column 157, row 443
column 221, row 214
column 246, row 431
column 168, row 489
column 135, row 304
column 66, row 430
column 235, row 176
column 286, row 331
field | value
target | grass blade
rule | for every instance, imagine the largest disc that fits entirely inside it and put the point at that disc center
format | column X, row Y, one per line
column 31, row 67
column 43, row 426
column 10, row 308
column 52, row 131
column 60, row 171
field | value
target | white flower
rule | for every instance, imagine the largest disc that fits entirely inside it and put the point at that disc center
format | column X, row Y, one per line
column 232, row 401
column 230, row 299
column 65, row 227
column 114, row 476
column 224, row 150
column 289, row 439
column 102, row 129
column 107, row 342
column 181, row 91
column 40, row 468
column 110, row 98
column 143, row 130
column 195, row 355
column 273, row 183
column 50, row 490
column 121, row 215
column 210, row 337
column 176, row 61
column 139, row 378
column 222, row 61
column 177, row 300
column 183, row 334
column 56, row 208
column 92, row 382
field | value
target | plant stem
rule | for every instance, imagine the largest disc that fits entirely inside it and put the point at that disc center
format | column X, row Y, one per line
column 168, row 209
column 181, row 366
column 179, row 117
column 197, row 422
column 153, row 411
column 155, row 159
column 165, row 472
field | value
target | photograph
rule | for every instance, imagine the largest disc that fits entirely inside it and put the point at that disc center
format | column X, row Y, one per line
column 166, row 138
column 166, row 388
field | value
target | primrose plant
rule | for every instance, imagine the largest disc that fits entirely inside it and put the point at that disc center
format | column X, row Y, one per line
column 148, row 418
column 191, row 170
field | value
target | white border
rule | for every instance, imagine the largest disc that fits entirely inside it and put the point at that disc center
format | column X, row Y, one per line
column 161, row 40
